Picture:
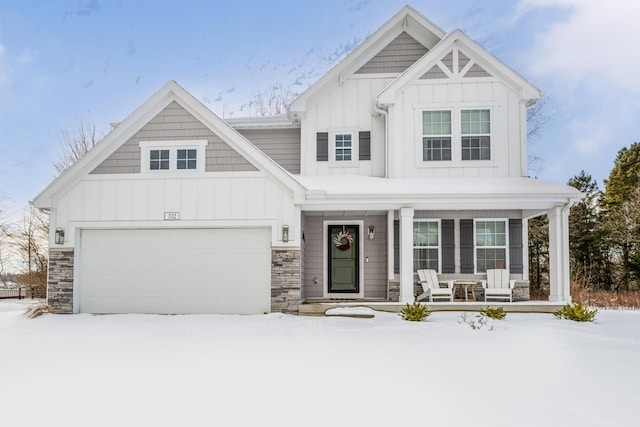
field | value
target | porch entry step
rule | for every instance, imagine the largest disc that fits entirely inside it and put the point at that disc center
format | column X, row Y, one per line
column 357, row 312
column 321, row 308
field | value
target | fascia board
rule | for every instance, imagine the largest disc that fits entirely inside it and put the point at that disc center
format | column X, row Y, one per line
column 365, row 51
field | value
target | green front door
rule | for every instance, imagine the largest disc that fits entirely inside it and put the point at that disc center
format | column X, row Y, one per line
column 343, row 259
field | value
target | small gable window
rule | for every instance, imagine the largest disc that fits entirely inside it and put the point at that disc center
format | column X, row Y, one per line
column 158, row 160
column 344, row 147
column 436, row 135
column 476, row 134
column 187, row 159
column 173, row 156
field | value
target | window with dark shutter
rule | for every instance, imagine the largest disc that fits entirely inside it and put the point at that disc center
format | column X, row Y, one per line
column 322, row 147
column 466, row 246
column 364, row 145
column 516, row 264
column 448, row 246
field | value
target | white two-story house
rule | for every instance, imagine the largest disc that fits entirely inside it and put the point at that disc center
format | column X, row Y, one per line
column 410, row 153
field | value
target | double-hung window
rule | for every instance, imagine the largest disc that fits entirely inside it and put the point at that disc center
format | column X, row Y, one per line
column 476, row 134
column 426, row 245
column 436, row 135
column 491, row 243
column 173, row 156
column 344, row 147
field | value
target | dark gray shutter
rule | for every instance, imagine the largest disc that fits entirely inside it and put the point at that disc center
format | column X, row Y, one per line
column 466, row 246
column 448, row 246
column 364, row 145
column 515, row 246
column 396, row 246
column 322, row 148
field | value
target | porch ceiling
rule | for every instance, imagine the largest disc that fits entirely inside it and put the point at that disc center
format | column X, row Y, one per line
column 457, row 193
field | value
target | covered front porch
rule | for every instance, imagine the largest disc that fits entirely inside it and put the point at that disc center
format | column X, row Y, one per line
column 459, row 234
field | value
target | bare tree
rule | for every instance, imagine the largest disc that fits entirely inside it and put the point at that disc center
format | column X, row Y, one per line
column 75, row 145
column 4, row 227
column 538, row 118
column 272, row 102
column 30, row 241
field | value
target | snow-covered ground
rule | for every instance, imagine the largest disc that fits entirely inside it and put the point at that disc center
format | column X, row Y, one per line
column 284, row 370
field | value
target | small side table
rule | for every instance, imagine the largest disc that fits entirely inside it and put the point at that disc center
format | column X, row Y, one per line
column 465, row 286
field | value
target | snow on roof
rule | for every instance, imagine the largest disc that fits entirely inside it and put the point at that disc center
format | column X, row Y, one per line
column 438, row 192
column 473, row 186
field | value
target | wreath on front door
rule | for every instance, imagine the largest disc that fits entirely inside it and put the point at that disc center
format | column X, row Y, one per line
column 343, row 240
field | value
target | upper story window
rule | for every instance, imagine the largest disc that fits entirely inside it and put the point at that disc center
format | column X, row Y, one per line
column 426, row 245
column 436, row 135
column 187, row 155
column 476, row 134
column 187, row 159
column 158, row 160
column 344, row 147
column 455, row 134
column 491, row 243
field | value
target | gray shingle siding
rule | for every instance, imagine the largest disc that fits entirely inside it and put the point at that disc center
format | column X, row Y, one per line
column 282, row 145
column 396, row 57
column 174, row 122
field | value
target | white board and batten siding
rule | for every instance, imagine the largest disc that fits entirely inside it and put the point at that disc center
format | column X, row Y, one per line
column 345, row 108
column 506, row 109
column 174, row 271
column 234, row 199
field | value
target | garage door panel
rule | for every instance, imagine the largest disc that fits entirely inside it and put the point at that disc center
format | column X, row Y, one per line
column 175, row 271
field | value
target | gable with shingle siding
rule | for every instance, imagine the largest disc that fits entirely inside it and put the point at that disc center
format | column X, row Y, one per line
column 174, row 123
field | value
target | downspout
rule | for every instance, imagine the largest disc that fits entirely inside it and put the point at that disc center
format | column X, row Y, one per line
column 379, row 110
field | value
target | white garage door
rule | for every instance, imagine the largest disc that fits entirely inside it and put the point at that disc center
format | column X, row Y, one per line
column 175, row 271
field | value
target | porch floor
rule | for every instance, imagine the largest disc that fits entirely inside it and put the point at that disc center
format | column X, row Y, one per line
column 317, row 307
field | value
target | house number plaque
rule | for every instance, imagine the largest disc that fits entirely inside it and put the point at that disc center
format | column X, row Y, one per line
column 171, row 216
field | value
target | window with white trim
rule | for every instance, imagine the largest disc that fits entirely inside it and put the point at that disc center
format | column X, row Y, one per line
column 491, row 244
column 426, row 245
column 436, row 135
column 344, row 147
column 476, row 134
column 173, row 156
column 158, row 160
column 187, row 158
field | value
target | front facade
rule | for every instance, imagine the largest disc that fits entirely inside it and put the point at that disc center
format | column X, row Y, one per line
column 410, row 153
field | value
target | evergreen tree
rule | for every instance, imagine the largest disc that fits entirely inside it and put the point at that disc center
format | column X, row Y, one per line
column 624, row 178
column 585, row 237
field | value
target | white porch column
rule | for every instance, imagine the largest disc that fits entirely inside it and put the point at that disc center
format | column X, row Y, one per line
column 525, row 249
column 390, row 243
column 559, row 254
column 406, row 255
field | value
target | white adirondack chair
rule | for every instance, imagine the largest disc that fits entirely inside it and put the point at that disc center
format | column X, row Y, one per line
column 431, row 286
column 498, row 286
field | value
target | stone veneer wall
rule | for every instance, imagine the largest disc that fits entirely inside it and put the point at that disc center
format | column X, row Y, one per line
column 285, row 280
column 60, row 280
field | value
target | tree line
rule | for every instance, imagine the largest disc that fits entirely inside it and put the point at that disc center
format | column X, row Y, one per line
column 604, row 232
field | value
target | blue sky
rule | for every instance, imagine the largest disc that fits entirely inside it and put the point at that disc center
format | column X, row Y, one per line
column 66, row 61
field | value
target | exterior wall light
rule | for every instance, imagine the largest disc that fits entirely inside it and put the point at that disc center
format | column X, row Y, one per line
column 372, row 232
column 59, row 236
column 285, row 233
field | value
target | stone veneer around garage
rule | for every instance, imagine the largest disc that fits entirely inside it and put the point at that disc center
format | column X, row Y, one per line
column 60, row 280
column 285, row 280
